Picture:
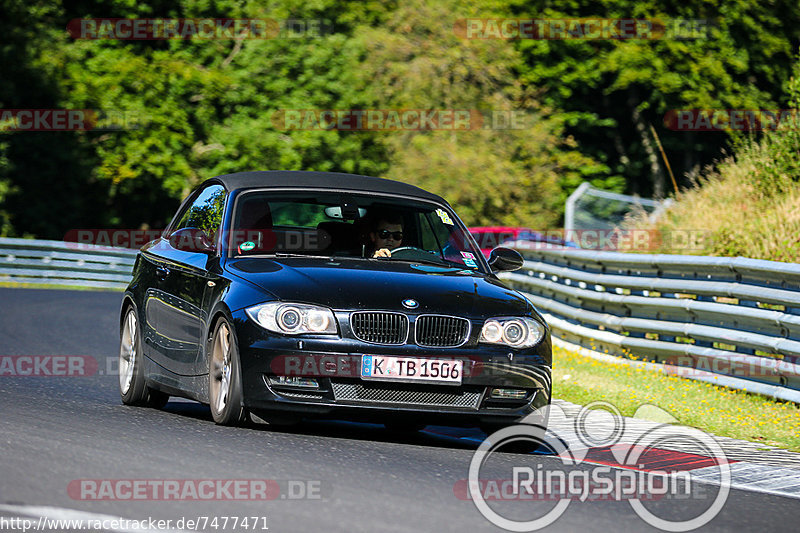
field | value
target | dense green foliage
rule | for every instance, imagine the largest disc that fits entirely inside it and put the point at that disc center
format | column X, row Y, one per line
column 749, row 204
column 613, row 90
column 197, row 108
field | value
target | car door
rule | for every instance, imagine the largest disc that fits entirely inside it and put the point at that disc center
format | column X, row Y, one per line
column 183, row 280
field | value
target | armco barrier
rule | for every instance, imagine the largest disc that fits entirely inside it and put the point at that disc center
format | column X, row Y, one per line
column 733, row 317
column 64, row 264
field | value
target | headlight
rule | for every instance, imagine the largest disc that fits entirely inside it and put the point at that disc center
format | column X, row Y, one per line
column 517, row 332
column 293, row 319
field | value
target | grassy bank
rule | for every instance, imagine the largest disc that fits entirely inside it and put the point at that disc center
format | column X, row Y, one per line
column 748, row 204
column 741, row 210
column 718, row 410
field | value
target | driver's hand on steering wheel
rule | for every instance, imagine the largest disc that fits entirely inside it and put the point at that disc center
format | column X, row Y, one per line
column 383, row 252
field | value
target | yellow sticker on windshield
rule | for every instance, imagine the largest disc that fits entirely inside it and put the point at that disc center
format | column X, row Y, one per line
column 444, row 216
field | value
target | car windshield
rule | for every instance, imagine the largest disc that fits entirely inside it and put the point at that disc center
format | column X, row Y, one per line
column 315, row 223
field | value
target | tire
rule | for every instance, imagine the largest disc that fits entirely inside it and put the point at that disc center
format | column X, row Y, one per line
column 538, row 422
column 156, row 399
column 225, row 377
column 538, row 429
column 133, row 388
column 275, row 420
column 520, row 446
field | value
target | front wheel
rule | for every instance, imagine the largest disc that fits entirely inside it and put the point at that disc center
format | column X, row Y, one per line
column 132, row 386
column 225, row 377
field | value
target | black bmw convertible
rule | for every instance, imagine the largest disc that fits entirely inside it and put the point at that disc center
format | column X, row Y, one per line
column 290, row 295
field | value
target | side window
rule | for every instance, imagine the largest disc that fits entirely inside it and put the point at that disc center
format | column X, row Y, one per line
column 441, row 236
column 205, row 213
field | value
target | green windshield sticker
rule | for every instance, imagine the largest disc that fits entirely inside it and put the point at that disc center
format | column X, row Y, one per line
column 247, row 246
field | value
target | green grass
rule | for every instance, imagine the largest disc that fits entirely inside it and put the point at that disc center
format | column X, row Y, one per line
column 717, row 410
column 15, row 285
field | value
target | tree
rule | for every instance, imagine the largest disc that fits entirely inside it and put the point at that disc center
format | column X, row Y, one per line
column 492, row 175
column 611, row 91
column 39, row 171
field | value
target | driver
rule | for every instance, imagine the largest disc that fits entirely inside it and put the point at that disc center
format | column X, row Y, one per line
column 386, row 234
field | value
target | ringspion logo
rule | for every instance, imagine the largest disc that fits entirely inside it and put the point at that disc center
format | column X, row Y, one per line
column 572, row 477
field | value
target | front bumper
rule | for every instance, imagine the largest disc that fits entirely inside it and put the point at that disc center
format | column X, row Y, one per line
column 335, row 363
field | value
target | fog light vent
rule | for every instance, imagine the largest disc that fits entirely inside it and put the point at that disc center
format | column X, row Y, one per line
column 509, row 394
column 294, row 381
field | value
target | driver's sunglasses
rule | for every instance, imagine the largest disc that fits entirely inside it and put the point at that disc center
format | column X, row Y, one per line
column 396, row 235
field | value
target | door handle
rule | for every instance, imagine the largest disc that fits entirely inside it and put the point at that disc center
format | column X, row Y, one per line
column 162, row 272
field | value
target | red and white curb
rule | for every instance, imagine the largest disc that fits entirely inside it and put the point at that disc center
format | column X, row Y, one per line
column 754, row 477
column 753, row 467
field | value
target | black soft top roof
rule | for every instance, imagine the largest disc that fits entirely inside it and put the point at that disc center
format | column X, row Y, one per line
column 320, row 180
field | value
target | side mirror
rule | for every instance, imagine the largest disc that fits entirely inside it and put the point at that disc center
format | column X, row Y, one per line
column 192, row 240
column 505, row 260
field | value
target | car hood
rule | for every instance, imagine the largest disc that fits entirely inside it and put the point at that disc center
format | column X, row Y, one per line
column 364, row 284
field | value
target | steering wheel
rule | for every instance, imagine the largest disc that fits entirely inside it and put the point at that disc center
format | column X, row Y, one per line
column 408, row 251
column 402, row 248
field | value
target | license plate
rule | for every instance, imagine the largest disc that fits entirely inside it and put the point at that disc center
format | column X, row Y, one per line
column 412, row 369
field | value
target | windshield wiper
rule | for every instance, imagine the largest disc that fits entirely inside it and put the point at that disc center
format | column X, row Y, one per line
column 311, row 256
column 438, row 261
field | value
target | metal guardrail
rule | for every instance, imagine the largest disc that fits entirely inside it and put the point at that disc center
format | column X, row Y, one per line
column 734, row 317
column 576, row 217
column 64, row 264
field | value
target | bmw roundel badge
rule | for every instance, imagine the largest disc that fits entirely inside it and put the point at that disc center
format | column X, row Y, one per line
column 410, row 303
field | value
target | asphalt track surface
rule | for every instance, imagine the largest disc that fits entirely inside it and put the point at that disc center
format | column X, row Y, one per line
column 54, row 430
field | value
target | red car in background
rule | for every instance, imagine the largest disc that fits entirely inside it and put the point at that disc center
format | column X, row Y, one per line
column 489, row 237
